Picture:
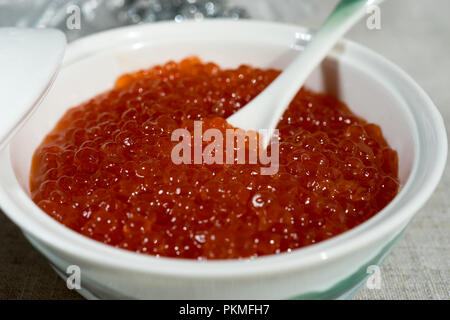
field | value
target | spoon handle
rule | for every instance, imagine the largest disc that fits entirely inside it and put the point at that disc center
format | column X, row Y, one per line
column 274, row 100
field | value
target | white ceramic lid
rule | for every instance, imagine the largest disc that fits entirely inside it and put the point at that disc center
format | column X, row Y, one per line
column 29, row 62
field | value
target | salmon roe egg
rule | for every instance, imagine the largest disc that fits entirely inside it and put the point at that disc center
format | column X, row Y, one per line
column 105, row 170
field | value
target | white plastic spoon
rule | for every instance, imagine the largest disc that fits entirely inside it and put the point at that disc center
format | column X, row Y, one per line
column 264, row 112
column 29, row 62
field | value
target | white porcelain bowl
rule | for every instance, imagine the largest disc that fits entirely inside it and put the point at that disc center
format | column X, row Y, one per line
column 373, row 87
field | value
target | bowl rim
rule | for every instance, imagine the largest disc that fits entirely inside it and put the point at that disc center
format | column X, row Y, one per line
column 16, row 203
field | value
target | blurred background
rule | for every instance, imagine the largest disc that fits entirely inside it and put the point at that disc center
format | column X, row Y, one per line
column 98, row 15
column 415, row 34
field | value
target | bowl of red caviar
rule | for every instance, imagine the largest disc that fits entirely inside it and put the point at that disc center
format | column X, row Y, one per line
column 91, row 181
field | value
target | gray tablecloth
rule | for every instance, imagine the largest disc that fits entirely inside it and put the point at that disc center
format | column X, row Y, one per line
column 415, row 34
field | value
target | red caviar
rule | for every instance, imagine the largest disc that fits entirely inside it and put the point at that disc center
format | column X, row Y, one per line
column 105, row 171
